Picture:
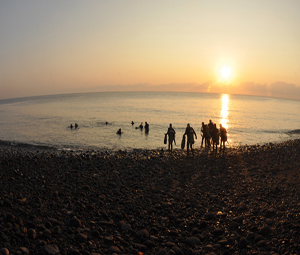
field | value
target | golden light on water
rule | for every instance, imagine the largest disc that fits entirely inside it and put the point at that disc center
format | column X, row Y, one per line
column 224, row 110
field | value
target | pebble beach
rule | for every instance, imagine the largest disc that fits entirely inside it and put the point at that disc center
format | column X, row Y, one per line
column 242, row 200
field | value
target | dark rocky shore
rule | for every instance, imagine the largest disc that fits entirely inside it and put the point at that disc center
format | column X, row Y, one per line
column 238, row 201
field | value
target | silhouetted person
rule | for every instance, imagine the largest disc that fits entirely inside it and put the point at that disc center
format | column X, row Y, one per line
column 119, row 132
column 207, row 136
column 171, row 137
column 141, row 126
column 204, row 134
column 76, row 125
column 71, row 126
column 223, row 133
column 106, row 123
column 215, row 136
column 132, row 123
column 190, row 132
column 146, row 127
column 210, row 127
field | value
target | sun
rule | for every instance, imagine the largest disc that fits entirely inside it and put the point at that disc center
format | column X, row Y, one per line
column 226, row 73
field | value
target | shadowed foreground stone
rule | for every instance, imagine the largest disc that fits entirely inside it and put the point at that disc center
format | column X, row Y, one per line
column 244, row 200
column 50, row 249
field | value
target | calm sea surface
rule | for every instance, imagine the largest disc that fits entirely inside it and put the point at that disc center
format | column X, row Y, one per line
column 44, row 121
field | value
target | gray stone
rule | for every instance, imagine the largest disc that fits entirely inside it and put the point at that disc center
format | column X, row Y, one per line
column 125, row 227
column 233, row 225
column 243, row 243
column 51, row 249
column 265, row 231
column 210, row 216
column 223, row 242
column 47, row 232
column 261, row 243
column 114, row 249
column 192, row 241
column 177, row 250
column 4, row 251
column 56, row 230
column 24, row 250
column 81, row 238
column 218, row 232
column 162, row 252
column 31, row 233
column 75, row 222
column 209, row 247
column 143, row 233
column 189, row 252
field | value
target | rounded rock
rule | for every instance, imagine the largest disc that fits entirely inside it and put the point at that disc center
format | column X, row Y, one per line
column 162, row 252
column 31, row 233
column 192, row 241
column 81, row 238
column 75, row 222
column 4, row 251
column 243, row 243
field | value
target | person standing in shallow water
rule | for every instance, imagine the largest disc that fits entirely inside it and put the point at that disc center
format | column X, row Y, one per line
column 223, row 133
column 146, row 127
column 190, row 132
column 205, row 135
column 215, row 137
column 171, row 135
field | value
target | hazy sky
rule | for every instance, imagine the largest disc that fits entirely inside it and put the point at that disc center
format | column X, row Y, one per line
column 234, row 46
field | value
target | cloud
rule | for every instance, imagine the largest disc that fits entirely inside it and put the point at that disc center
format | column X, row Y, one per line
column 175, row 87
column 277, row 89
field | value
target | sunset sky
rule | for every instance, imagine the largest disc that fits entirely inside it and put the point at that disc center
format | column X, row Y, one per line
column 225, row 46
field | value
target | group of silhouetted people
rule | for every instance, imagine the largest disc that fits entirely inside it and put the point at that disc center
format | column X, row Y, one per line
column 210, row 135
column 141, row 127
column 76, row 125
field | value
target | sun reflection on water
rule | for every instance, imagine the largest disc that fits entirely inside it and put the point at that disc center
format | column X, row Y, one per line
column 224, row 111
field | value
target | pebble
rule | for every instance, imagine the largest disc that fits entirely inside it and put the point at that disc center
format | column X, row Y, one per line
column 193, row 241
column 114, row 249
column 4, row 251
column 150, row 202
column 75, row 222
column 51, row 249
column 162, row 252
column 81, row 238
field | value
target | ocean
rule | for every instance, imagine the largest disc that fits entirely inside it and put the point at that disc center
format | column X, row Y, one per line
column 44, row 121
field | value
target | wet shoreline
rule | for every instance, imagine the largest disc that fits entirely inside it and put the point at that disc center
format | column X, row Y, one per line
column 243, row 200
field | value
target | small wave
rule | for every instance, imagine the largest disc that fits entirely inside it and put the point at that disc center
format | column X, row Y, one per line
column 294, row 132
column 15, row 144
column 271, row 131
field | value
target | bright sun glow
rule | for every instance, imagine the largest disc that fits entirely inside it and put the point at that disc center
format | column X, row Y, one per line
column 226, row 73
